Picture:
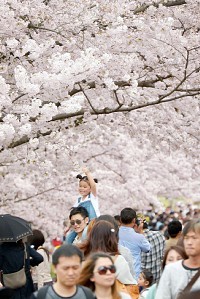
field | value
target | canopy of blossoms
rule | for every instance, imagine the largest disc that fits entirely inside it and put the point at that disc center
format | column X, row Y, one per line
column 114, row 85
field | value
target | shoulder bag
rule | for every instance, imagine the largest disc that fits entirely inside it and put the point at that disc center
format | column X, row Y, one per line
column 16, row 279
column 189, row 285
column 131, row 289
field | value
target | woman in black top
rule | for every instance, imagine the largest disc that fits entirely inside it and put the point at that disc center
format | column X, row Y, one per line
column 12, row 260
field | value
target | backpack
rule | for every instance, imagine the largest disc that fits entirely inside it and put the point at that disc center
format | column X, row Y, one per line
column 43, row 291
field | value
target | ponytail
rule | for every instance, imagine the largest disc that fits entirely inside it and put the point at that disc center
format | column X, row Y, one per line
column 84, row 178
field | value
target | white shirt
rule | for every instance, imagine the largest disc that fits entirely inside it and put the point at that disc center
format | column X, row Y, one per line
column 144, row 293
column 123, row 273
column 41, row 273
column 125, row 295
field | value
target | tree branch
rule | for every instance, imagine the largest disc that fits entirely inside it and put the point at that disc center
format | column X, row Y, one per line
column 114, row 171
column 170, row 3
column 122, row 83
column 180, row 83
column 117, row 99
column 20, row 96
column 25, row 139
column 29, row 197
column 94, row 156
column 87, row 98
column 32, row 26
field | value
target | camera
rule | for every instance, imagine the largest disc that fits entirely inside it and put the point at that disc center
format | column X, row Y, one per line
column 138, row 221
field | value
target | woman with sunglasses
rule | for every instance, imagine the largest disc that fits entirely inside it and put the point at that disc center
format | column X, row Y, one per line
column 99, row 274
column 103, row 238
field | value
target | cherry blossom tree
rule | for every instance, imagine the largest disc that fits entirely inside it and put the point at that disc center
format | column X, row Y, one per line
column 111, row 84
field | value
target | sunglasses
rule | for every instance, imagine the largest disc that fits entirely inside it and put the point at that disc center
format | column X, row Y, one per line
column 77, row 221
column 103, row 269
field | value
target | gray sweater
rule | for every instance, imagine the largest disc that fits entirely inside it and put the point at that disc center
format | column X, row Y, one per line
column 174, row 279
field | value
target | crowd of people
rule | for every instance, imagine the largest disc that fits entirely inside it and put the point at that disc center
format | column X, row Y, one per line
column 152, row 256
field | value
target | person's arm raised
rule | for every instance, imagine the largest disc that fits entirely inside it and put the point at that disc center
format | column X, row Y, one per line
column 91, row 180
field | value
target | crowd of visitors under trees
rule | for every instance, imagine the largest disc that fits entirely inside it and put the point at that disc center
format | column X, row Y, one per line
column 154, row 255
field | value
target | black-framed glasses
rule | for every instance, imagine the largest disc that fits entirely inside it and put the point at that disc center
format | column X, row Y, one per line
column 77, row 221
column 103, row 269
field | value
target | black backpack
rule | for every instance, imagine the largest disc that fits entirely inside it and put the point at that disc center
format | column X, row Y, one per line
column 43, row 291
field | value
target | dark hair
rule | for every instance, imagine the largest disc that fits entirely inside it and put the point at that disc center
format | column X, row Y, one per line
column 161, row 226
column 192, row 225
column 178, row 249
column 117, row 218
column 110, row 219
column 67, row 250
column 37, row 240
column 102, row 237
column 174, row 227
column 148, row 276
column 85, row 178
column 166, row 234
column 127, row 215
column 79, row 210
column 88, row 269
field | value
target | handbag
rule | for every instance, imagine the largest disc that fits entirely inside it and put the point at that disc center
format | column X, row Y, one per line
column 131, row 289
column 16, row 279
